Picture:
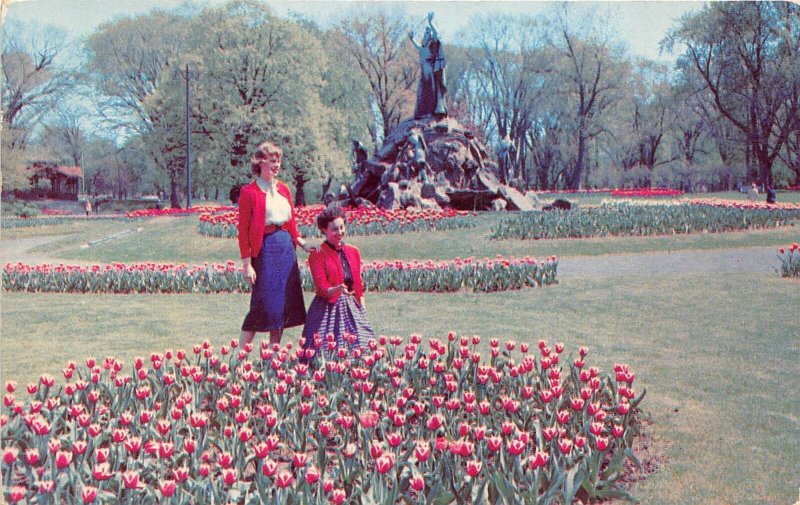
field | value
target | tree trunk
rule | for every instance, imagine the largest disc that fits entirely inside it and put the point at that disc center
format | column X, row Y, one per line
column 174, row 200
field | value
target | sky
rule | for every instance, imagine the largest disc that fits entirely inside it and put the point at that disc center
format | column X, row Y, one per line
column 638, row 24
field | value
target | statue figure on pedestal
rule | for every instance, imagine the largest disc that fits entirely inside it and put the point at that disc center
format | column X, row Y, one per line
column 506, row 151
column 359, row 156
column 431, row 88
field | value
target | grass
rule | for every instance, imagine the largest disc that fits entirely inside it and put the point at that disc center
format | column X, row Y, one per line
column 716, row 359
column 176, row 240
column 717, row 353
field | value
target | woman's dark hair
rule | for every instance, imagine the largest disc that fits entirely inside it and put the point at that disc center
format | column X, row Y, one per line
column 328, row 215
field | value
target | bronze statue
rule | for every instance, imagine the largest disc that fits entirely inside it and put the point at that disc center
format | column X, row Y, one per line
column 506, row 153
column 416, row 152
column 431, row 88
column 359, row 155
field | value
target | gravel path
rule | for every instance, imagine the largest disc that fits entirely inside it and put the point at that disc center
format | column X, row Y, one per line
column 749, row 259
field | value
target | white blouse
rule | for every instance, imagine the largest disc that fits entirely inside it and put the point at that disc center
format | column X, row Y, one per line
column 278, row 209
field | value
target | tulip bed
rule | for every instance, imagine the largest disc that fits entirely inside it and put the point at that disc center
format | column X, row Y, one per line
column 790, row 260
column 394, row 421
column 484, row 275
column 628, row 219
column 743, row 204
column 645, row 192
column 360, row 221
column 200, row 209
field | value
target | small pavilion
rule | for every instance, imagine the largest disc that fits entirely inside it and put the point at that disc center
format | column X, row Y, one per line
column 65, row 181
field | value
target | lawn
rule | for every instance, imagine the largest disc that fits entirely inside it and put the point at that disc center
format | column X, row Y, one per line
column 717, row 353
column 176, row 240
column 716, row 359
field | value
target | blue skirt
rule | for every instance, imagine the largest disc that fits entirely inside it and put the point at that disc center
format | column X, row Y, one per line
column 277, row 298
column 343, row 317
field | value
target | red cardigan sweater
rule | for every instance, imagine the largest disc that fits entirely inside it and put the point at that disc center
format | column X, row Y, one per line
column 253, row 214
column 326, row 270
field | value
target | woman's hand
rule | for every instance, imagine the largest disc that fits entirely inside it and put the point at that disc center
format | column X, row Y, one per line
column 308, row 248
column 340, row 288
column 250, row 274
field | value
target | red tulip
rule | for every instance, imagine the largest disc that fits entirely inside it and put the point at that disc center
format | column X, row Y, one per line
column 17, row 493
column 269, row 467
column 101, row 472
column 539, row 459
column 130, row 480
column 338, row 496
column 284, row 479
column 31, row 456
column 565, row 445
column 88, row 494
column 10, row 455
column 602, row 443
column 422, row 450
column 312, row 474
column 47, row 487
column 516, row 447
column 167, row 488
column 384, row 463
column 63, row 459
column 474, row 467
column 229, row 476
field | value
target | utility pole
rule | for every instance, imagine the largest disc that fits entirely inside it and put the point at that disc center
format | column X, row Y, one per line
column 188, row 146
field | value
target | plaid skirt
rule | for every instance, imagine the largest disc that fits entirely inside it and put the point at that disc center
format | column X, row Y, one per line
column 345, row 319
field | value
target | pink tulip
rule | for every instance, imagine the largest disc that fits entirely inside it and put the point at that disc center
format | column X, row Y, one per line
column 539, row 459
column 130, row 480
column 422, row 450
column 269, row 467
column 63, row 459
column 474, row 467
column 284, row 479
column 167, row 488
column 10, row 455
column 338, row 496
column 312, row 474
column 101, row 472
column 384, row 463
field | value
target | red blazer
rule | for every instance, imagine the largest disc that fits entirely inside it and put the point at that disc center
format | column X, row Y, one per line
column 253, row 214
column 326, row 269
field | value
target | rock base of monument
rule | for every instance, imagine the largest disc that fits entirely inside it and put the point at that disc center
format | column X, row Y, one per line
column 435, row 162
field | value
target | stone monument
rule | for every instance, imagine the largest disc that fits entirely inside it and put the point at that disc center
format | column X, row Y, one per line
column 431, row 160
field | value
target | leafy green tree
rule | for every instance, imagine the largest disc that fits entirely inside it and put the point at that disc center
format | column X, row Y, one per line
column 127, row 60
column 261, row 79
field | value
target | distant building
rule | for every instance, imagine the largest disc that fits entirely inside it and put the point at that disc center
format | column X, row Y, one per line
column 65, row 182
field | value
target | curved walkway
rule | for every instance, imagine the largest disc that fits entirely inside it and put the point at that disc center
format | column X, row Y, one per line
column 745, row 259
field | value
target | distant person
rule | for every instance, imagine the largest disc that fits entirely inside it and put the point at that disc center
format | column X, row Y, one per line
column 771, row 196
column 87, row 206
column 234, row 194
column 338, row 309
column 752, row 194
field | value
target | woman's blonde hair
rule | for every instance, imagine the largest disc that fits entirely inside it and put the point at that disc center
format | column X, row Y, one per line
column 263, row 151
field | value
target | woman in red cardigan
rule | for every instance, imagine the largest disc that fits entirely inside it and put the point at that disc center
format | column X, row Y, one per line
column 336, row 316
column 267, row 238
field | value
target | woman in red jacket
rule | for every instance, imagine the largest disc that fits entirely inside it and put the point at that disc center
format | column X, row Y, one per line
column 336, row 316
column 267, row 238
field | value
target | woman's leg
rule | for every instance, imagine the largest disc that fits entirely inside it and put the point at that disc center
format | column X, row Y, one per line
column 275, row 336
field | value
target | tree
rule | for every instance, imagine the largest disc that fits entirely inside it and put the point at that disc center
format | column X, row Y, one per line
column 127, row 60
column 509, row 70
column 747, row 57
column 378, row 42
column 589, row 86
column 32, row 83
column 262, row 78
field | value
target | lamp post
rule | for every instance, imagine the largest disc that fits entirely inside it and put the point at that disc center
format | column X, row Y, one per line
column 186, row 76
